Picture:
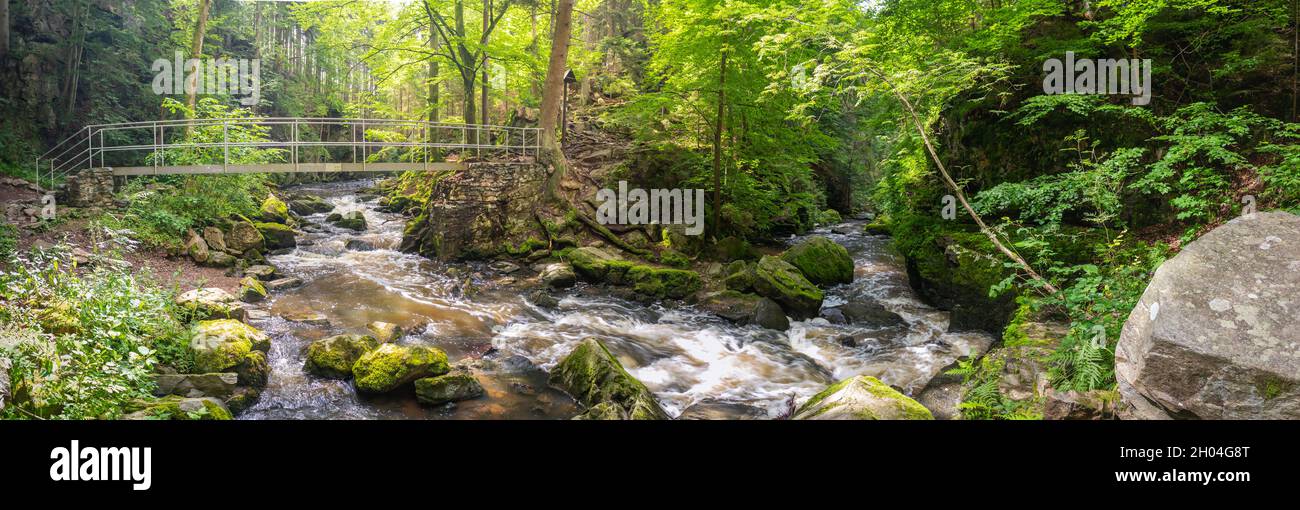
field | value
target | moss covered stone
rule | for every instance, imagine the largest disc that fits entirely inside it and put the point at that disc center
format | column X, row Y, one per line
column 740, row 276
column 220, row 344
column 334, row 357
column 351, row 220
column 452, row 387
column 309, row 204
column 592, row 375
column 254, row 370
column 604, row 411
column 251, row 290
column 861, row 398
column 277, row 236
column 274, row 210
column 210, row 303
column 591, row 263
column 244, row 236
column 783, row 283
column 391, row 366
column 663, row 283
column 821, row 260
column 176, row 407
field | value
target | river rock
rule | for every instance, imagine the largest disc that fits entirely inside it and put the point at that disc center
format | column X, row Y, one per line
column 358, row 245
column 334, row 357
column 452, row 387
column 309, row 204
column 309, row 317
column 215, row 238
column 865, row 313
column 253, row 371
column 861, row 398
column 220, row 385
column 244, row 236
column 274, row 210
column 352, row 220
column 592, row 375
column 543, row 299
column 262, row 272
column 745, row 309
column 221, row 344
column 783, row 283
column 196, row 247
column 821, row 260
column 1216, row 335
column 276, row 235
column 391, row 366
column 709, row 409
column 591, row 263
column 210, row 303
column 251, row 290
column 504, row 266
column 739, row 276
column 559, row 276
column 175, row 407
column 604, row 411
column 385, row 332
column 283, row 283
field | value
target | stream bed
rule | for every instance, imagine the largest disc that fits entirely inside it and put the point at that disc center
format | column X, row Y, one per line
column 482, row 315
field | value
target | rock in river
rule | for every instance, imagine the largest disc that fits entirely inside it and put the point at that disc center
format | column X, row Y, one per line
column 745, row 309
column 861, row 398
column 222, row 344
column 592, row 375
column 558, row 276
column 334, row 357
column 821, row 260
column 783, row 283
column 1216, row 335
column 452, row 387
column 210, row 303
column 390, row 366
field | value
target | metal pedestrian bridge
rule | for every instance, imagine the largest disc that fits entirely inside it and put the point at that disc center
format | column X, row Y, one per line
column 284, row 144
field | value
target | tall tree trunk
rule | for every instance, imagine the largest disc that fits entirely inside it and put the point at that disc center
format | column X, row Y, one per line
column 487, row 16
column 717, row 143
column 433, row 76
column 4, row 29
column 553, row 92
column 196, row 50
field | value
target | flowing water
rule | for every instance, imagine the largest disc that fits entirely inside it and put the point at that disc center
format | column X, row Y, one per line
column 481, row 315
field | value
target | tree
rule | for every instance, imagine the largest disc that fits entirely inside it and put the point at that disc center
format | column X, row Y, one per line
column 553, row 90
column 196, row 50
column 465, row 53
column 4, row 29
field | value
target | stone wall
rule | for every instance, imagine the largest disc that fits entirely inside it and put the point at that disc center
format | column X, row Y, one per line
column 479, row 212
column 88, row 188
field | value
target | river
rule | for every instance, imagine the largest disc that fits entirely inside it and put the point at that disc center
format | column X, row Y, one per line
column 474, row 312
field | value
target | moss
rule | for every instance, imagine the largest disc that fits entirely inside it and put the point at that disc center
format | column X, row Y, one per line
column 251, row 290
column 391, row 366
column 334, row 357
column 674, row 258
column 663, row 283
column 829, row 216
column 732, row 248
column 452, row 387
column 529, row 245
column 175, row 407
column 276, row 235
column 221, row 344
column 590, row 263
column 879, row 226
column 592, row 375
column 875, row 400
column 740, row 276
column 821, row 260
column 274, row 210
column 783, row 283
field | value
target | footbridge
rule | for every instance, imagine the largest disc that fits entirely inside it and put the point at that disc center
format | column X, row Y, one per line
column 284, row 144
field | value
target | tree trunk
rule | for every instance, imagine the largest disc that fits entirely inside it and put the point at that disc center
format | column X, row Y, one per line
column 717, row 143
column 196, row 51
column 4, row 29
column 433, row 76
column 487, row 16
column 553, row 90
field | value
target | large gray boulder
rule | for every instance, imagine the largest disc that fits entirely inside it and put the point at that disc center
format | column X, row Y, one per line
column 1216, row 335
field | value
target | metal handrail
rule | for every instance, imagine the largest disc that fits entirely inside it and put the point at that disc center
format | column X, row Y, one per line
column 414, row 134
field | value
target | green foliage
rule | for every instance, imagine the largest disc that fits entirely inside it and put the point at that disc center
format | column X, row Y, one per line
column 83, row 346
column 8, row 242
column 982, row 400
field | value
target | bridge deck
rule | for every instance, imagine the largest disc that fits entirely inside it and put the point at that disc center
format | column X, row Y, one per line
column 288, row 168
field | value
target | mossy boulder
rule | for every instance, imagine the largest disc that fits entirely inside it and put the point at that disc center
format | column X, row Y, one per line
column 783, row 283
column 196, row 247
column 829, row 217
column 592, row 376
column 334, row 357
column 558, row 276
column 254, row 370
column 244, row 236
column 278, row 236
column 662, row 283
column 673, row 258
column 591, row 263
column 385, row 332
column 743, row 309
column 210, row 303
column 452, row 387
column 176, row 407
column 351, row 220
column 739, row 276
column 251, row 290
column 274, row 210
column 221, row 344
column 604, row 411
column 861, row 398
column 390, row 366
column 821, row 260
column 309, row 204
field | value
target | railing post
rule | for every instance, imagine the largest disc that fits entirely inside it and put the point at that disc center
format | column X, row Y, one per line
column 101, row 148
column 225, row 144
column 295, row 145
column 363, row 145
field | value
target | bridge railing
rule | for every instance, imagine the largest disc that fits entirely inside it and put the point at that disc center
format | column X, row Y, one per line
column 286, row 140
